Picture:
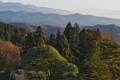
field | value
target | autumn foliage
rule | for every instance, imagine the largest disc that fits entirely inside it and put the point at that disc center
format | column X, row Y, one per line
column 105, row 35
column 11, row 53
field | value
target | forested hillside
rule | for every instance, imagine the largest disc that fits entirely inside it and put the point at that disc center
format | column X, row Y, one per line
column 48, row 29
column 11, row 33
column 112, row 29
column 73, row 54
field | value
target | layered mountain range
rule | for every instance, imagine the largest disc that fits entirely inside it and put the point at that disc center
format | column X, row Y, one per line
column 10, row 6
column 38, row 18
column 30, row 16
column 17, row 12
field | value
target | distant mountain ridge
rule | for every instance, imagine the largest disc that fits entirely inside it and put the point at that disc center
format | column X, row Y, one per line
column 10, row 6
column 100, row 12
column 23, row 25
column 55, row 19
column 48, row 29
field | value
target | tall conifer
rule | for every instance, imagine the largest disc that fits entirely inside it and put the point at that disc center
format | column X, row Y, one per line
column 39, row 36
column 51, row 40
column 91, row 67
column 72, row 35
column 30, row 41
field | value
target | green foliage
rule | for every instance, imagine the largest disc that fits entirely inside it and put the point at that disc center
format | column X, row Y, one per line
column 11, row 33
column 113, row 61
column 34, row 39
column 5, row 71
column 96, row 58
column 52, row 40
column 47, row 59
column 110, row 56
column 63, row 46
column 72, row 35
column 91, row 66
column 68, row 31
column 3, row 62
column 30, row 40
column 107, row 46
column 39, row 36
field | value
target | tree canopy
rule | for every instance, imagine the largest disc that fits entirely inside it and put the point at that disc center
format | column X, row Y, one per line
column 47, row 59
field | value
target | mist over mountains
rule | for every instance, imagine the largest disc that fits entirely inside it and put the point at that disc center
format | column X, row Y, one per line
column 10, row 6
column 17, row 12
column 99, row 12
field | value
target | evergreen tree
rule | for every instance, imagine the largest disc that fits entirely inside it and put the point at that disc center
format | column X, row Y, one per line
column 91, row 67
column 75, row 39
column 39, row 36
column 11, row 33
column 58, row 41
column 63, row 47
column 7, row 36
column 68, row 30
column 72, row 35
column 52, row 40
column 58, row 38
column 83, row 36
column 30, row 41
column 76, row 25
column 2, row 37
column 96, row 33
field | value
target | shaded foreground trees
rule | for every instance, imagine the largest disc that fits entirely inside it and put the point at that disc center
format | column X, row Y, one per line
column 92, row 67
column 96, row 58
column 5, row 71
column 63, row 46
column 87, row 48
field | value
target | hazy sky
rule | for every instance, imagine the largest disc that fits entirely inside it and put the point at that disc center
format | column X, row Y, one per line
column 72, row 4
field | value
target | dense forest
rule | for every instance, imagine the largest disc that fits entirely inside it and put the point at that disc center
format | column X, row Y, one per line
column 72, row 54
